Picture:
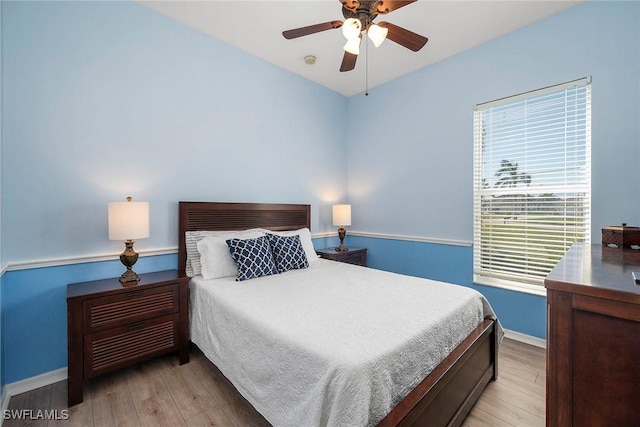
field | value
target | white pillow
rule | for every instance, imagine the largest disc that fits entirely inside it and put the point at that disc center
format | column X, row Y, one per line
column 305, row 239
column 193, row 266
column 191, row 239
column 215, row 258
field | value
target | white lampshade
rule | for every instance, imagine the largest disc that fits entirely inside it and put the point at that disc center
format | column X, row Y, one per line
column 377, row 34
column 351, row 28
column 341, row 215
column 128, row 220
column 353, row 46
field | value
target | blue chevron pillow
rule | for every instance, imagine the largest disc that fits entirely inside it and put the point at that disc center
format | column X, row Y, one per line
column 253, row 257
column 287, row 252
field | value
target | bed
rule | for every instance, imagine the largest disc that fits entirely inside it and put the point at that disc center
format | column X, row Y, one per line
column 341, row 360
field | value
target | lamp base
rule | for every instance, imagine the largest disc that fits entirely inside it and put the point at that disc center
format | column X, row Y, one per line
column 128, row 259
column 341, row 234
column 129, row 278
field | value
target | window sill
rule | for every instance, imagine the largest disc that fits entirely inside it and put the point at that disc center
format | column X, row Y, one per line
column 537, row 290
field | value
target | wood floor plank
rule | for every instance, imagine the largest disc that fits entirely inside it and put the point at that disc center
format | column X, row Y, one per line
column 59, row 404
column 534, row 357
column 215, row 382
column 151, row 397
column 481, row 418
column 81, row 415
column 30, row 406
column 509, row 412
column 112, row 401
column 526, row 402
column 523, row 371
column 187, row 390
column 239, row 411
column 163, row 393
column 513, row 380
column 532, row 352
column 212, row 417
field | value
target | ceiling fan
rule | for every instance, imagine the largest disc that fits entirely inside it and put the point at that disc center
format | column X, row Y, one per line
column 359, row 16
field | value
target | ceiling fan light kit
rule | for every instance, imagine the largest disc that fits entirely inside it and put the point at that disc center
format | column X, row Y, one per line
column 353, row 46
column 359, row 17
column 377, row 34
column 351, row 28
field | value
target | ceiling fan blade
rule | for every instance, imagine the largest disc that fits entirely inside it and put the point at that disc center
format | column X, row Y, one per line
column 348, row 62
column 404, row 37
column 390, row 5
column 311, row 29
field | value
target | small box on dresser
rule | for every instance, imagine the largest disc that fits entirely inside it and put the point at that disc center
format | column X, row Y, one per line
column 111, row 326
column 621, row 236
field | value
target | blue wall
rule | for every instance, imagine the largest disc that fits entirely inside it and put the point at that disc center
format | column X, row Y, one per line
column 108, row 99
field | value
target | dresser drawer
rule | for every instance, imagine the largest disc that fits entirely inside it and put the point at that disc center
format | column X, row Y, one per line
column 115, row 348
column 130, row 307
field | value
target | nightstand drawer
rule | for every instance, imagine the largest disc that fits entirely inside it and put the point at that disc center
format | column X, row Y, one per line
column 114, row 348
column 357, row 258
column 130, row 307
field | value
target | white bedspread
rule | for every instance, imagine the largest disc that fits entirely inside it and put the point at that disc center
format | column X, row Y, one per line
column 331, row 345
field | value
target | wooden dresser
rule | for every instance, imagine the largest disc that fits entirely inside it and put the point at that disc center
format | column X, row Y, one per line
column 593, row 338
column 111, row 326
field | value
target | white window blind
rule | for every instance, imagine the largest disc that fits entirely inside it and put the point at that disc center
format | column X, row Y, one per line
column 532, row 183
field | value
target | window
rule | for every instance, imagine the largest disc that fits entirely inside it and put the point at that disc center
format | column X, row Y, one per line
column 532, row 183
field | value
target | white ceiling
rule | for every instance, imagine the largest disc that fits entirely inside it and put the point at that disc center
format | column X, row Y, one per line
column 451, row 26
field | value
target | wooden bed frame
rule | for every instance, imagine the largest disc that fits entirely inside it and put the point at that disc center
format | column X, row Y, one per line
column 445, row 396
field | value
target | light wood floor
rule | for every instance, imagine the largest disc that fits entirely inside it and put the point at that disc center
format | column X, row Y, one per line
column 162, row 393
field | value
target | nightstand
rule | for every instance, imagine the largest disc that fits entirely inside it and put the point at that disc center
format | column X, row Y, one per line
column 111, row 327
column 357, row 256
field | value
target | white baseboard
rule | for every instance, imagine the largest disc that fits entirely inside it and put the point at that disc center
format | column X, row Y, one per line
column 29, row 384
column 527, row 339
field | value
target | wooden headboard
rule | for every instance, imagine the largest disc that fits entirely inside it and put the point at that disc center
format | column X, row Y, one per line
column 214, row 216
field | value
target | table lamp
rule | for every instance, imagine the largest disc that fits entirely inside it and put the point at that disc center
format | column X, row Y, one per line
column 342, row 218
column 127, row 221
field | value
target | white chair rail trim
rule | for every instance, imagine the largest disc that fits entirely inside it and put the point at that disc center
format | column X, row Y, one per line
column 439, row 241
column 26, row 265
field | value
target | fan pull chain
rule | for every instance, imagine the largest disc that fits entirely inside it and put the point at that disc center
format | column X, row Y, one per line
column 366, row 69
